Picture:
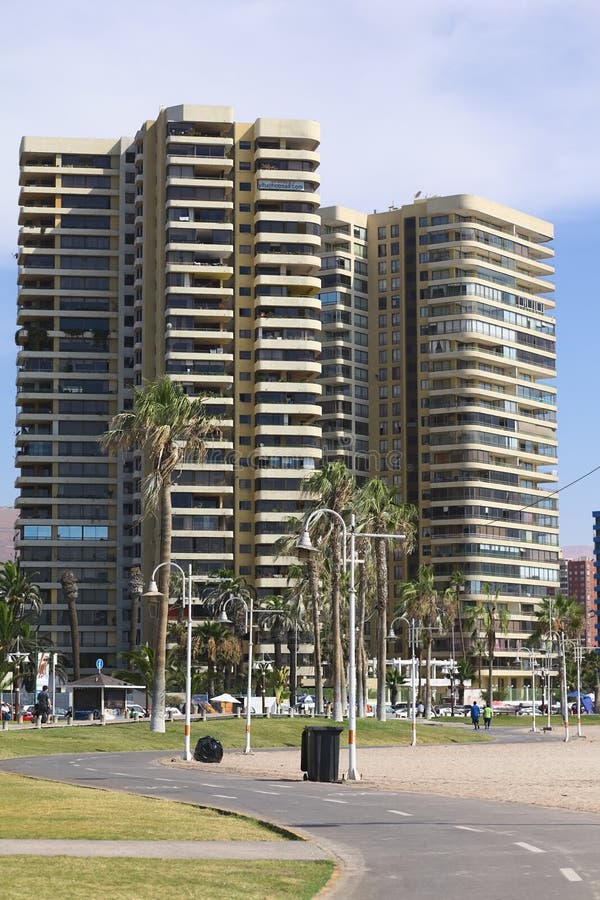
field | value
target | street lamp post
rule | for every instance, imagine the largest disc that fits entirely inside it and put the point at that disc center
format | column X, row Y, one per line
column 560, row 640
column 17, row 657
column 413, row 638
column 249, row 610
column 578, row 654
column 532, row 655
column 187, row 600
column 304, row 543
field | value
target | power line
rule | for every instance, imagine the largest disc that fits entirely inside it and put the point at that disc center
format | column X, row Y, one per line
column 552, row 494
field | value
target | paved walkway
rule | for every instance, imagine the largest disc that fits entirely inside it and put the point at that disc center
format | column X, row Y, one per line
column 278, row 850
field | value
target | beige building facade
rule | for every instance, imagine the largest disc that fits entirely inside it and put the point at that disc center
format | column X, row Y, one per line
column 191, row 250
column 461, row 362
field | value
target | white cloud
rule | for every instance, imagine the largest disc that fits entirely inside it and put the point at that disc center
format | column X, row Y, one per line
column 497, row 98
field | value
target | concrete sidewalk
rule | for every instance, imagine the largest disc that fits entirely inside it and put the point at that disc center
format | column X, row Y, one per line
column 283, row 850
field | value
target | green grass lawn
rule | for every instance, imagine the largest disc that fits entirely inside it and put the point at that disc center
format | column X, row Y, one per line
column 71, row 878
column 33, row 809
column 266, row 733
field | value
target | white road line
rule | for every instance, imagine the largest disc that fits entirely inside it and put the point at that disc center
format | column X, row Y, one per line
column 571, row 875
column 329, row 800
column 272, row 793
column 468, row 828
column 225, row 796
column 207, row 784
column 398, row 812
column 159, row 779
column 529, row 847
column 87, row 769
column 123, row 774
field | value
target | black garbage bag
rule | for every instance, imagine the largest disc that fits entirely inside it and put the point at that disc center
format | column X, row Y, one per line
column 208, row 750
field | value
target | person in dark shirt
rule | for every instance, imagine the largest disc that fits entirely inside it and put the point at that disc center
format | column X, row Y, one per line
column 43, row 704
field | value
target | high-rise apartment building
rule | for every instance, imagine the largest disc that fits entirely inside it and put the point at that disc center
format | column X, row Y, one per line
column 460, row 359
column 415, row 344
column 191, row 250
column 577, row 581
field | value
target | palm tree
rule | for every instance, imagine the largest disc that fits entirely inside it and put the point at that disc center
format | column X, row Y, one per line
column 141, row 662
column 136, row 589
column 426, row 605
column 277, row 614
column 380, row 512
column 17, row 589
column 279, row 679
column 561, row 616
column 457, row 583
column 489, row 619
column 464, row 672
column 211, row 636
column 393, row 681
column 332, row 487
column 70, row 590
column 170, row 428
column 366, row 578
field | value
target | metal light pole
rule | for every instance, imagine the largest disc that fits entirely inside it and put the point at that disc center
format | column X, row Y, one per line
column 548, row 689
column 187, row 600
column 578, row 654
column 532, row 654
column 412, row 639
column 249, row 610
column 304, row 543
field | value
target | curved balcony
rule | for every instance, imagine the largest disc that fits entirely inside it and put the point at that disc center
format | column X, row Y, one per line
column 295, row 261
column 310, row 301
column 278, row 196
column 292, row 154
column 291, row 282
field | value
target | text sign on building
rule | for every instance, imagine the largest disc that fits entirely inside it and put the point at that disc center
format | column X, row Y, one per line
column 280, row 185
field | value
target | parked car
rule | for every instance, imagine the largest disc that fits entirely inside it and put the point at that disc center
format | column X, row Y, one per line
column 172, row 711
column 134, row 709
column 85, row 714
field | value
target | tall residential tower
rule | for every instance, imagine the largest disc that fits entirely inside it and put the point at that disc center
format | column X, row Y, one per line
column 191, row 250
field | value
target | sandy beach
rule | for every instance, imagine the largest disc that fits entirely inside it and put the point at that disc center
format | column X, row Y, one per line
column 543, row 770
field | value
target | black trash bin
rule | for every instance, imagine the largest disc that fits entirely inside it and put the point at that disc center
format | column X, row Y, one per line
column 320, row 753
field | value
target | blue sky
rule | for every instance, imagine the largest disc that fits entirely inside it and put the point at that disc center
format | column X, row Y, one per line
column 498, row 98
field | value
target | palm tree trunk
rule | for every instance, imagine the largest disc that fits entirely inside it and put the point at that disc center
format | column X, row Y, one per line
column 361, row 689
column 278, row 654
column 136, row 589
column 336, row 640
column 460, row 624
column 292, row 642
column 316, row 623
column 74, row 625
column 382, row 600
column 135, row 613
column 490, row 670
column 71, row 594
column 157, row 721
column 428, row 679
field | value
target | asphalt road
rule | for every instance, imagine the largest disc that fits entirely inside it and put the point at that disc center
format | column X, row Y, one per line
column 390, row 844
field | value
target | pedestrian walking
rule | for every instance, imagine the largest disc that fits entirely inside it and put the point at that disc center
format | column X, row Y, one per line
column 43, row 704
column 475, row 713
column 487, row 716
